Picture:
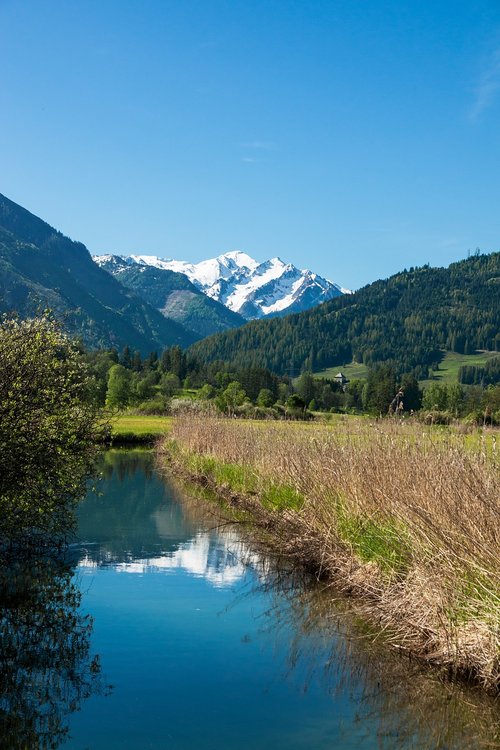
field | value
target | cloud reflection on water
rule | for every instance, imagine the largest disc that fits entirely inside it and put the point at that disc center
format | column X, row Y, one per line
column 221, row 559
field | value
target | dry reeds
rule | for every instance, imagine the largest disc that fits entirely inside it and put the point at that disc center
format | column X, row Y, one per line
column 406, row 520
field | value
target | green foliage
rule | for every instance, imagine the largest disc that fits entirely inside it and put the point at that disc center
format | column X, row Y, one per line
column 354, row 394
column 206, row 392
column 379, row 390
column 48, row 427
column 231, row 397
column 295, row 403
column 119, row 387
column 412, row 399
column 170, row 384
column 99, row 364
column 443, row 397
column 155, row 406
column 143, row 385
column 488, row 374
column 306, row 387
column 265, row 398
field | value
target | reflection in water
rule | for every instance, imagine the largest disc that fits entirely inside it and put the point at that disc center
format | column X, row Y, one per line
column 138, row 529
column 146, row 526
column 407, row 705
column 221, row 560
column 401, row 700
column 46, row 667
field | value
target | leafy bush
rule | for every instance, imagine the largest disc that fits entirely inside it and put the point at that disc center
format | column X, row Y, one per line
column 49, row 427
column 156, row 407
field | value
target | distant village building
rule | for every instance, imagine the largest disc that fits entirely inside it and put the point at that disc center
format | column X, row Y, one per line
column 341, row 379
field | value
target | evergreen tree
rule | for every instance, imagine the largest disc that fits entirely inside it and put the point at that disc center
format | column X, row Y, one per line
column 380, row 390
column 137, row 362
column 126, row 357
column 412, row 399
column 306, row 387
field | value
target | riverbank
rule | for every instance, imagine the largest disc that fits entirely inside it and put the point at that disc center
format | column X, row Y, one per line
column 405, row 520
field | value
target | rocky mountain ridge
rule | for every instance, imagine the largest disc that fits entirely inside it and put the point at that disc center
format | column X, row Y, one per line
column 245, row 286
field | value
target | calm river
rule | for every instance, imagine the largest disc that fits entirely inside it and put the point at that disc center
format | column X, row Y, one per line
column 203, row 643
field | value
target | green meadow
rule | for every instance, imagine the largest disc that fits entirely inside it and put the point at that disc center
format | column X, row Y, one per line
column 130, row 428
column 452, row 362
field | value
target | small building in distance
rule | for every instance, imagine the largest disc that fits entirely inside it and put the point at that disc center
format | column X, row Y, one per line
column 341, row 379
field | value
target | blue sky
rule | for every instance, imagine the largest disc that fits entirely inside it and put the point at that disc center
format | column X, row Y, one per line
column 351, row 137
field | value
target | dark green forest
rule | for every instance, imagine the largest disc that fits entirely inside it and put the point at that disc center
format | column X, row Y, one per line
column 404, row 322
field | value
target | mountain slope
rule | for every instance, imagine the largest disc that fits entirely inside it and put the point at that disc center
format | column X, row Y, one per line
column 252, row 289
column 40, row 267
column 403, row 320
column 172, row 294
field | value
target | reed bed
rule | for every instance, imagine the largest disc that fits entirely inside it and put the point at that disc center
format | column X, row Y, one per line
column 406, row 520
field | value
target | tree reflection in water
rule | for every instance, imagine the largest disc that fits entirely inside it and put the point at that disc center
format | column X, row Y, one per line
column 46, row 666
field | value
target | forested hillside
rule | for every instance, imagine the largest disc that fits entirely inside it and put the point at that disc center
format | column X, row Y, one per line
column 40, row 268
column 404, row 321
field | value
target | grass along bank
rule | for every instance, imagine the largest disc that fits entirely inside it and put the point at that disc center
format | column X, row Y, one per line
column 407, row 523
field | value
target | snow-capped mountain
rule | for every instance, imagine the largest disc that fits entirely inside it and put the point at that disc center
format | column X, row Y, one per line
column 252, row 289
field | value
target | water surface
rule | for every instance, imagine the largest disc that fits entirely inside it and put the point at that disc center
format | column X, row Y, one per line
column 207, row 644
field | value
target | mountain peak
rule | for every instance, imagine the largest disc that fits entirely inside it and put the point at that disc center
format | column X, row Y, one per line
column 248, row 287
column 240, row 259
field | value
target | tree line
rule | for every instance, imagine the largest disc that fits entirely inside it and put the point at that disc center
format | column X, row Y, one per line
column 155, row 383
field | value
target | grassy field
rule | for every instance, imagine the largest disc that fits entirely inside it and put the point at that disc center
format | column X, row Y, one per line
column 451, row 363
column 404, row 518
column 127, row 428
column 447, row 373
column 353, row 371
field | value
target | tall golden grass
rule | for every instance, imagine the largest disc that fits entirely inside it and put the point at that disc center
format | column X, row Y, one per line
column 405, row 519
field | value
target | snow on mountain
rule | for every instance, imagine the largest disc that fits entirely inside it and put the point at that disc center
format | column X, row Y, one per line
column 253, row 289
column 207, row 273
column 113, row 263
